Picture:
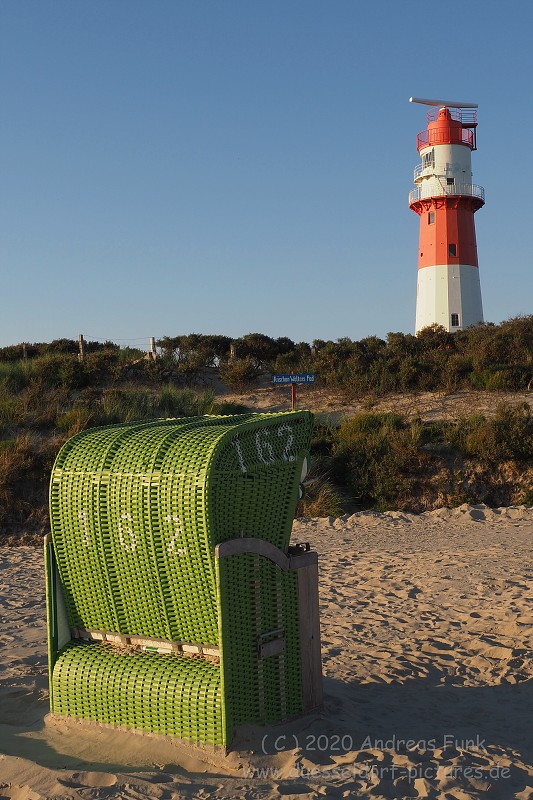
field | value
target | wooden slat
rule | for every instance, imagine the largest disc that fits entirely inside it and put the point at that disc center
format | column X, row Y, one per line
column 273, row 648
column 161, row 645
column 310, row 636
column 249, row 544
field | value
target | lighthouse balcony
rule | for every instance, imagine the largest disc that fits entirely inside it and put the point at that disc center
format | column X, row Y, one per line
column 423, row 171
column 446, row 136
column 438, row 189
column 432, row 170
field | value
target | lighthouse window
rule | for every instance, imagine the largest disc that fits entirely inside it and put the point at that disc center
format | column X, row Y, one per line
column 455, row 320
column 452, row 250
column 431, row 217
column 450, row 181
column 427, row 159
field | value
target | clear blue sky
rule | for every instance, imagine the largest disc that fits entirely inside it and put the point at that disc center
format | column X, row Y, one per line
column 229, row 166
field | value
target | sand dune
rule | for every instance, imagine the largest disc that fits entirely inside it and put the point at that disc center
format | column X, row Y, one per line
column 427, row 634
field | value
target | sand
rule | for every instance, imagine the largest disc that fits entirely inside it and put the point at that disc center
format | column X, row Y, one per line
column 335, row 407
column 427, row 637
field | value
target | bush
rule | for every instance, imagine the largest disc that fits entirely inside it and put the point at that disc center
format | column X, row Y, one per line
column 239, row 373
column 14, row 376
column 507, row 435
column 376, row 457
column 55, row 370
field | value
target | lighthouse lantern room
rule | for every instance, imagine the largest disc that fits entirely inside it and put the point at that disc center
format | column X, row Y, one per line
column 445, row 199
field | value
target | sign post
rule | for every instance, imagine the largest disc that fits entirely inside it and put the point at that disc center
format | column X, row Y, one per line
column 294, row 380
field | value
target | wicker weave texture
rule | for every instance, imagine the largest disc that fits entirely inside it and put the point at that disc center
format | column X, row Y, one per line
column 137, row 509
column 259, row 605
column 178, row 697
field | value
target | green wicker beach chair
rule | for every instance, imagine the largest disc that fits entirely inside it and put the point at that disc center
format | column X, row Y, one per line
column 175, row 605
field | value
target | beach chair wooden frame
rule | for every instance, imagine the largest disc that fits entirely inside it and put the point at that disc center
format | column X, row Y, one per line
column 175, row 604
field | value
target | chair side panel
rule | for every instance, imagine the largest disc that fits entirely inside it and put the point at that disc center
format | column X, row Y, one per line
column 260, row 640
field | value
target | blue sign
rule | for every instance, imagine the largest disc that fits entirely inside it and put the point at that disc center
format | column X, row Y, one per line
column 301, row 377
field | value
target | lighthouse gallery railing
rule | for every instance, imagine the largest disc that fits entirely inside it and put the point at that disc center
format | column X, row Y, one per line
column 439, row 190
column 437, row 136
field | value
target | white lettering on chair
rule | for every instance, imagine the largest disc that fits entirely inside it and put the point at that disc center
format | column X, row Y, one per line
column 236, row 443
column 82, row 515
column 129, row 546
column 177, row 534
column 262, row 441
column 264, row 448
column 287, row 455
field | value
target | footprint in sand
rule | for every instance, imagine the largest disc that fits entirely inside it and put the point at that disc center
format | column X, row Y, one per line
column 92, row 779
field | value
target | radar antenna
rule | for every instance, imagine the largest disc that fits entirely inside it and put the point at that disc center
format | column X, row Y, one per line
column 441, row 103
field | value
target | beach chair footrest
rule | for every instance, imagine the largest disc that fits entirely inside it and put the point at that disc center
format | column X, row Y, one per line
column 178, row 696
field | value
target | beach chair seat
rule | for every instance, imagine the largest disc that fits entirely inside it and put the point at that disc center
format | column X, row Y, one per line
column 175, row 605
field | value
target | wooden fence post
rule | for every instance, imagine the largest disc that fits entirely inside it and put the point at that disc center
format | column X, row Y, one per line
column 81, row 348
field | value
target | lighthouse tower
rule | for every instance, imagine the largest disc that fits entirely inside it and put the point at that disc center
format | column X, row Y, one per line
column 445, row 199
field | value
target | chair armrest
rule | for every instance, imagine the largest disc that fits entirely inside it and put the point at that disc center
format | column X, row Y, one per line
column 263, row 548
column 56, row 614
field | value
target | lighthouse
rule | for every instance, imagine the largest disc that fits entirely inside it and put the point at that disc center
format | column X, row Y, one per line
column 445, row 199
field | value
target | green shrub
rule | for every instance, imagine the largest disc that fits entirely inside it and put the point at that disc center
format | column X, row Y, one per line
column 376, row 457
column 99, row 366
column 507, row 435
column 55, row 370
column 14, row 376
column 239, row 373
column 362, row 425
column 456, row 372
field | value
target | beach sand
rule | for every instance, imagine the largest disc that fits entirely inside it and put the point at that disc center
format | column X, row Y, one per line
column 427, row 642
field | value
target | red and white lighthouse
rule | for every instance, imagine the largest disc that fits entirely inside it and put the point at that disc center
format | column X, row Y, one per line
column 445, row 199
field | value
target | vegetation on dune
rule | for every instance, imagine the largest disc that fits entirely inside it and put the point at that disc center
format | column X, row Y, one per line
column 490, row 357
column 381, row 461
column 386, row 462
